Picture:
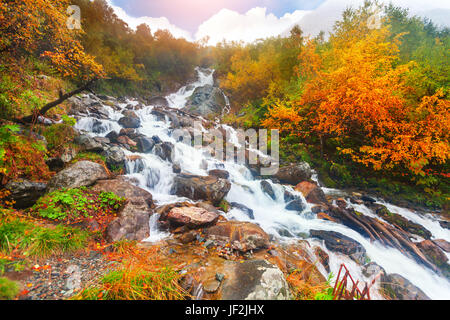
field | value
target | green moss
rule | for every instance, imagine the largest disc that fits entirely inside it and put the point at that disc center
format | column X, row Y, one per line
column 224, row 205
column 8, row 289
column 90, row 156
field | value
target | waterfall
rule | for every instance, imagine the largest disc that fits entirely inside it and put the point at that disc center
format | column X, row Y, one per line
column 155, row 175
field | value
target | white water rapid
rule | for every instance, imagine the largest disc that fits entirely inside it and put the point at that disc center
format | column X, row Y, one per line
column 155, row 175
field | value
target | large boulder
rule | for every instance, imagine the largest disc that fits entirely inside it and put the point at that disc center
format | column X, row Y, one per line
column 132, row 222
column 242, row 236
column 122, row 187
column 80, row 174
column 398, row 288
column 145, row 144
column 192, row 217
column 337, row 242
column 294, row 173
column 88, row 143
column 25, row 193
column 129, row 122
column 115, row 157
column 194, row 187
column 206, row 101
column 312, row 192
column 255, row 280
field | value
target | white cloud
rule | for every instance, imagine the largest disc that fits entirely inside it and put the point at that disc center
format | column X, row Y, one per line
column 255, row 24
column 324, row 17
column 155, row 24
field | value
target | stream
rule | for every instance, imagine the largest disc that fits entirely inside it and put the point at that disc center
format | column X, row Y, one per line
column 156, row 176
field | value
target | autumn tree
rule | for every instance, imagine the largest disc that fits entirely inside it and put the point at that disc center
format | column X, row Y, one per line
column 38, row 28
column 356, row 94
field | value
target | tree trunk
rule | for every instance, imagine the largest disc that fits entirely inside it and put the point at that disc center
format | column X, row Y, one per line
column 61, row 99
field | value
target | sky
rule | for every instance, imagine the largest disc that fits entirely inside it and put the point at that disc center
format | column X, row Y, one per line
column 249, row 20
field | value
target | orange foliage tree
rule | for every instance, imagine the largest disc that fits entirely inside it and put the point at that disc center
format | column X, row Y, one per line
column 39, row 27
column 355, row 95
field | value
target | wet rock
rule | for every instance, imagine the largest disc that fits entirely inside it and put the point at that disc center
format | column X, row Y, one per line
column 129, row 132
column 398, row 288
column 201, row 188
column 82, row 173
column 145, row 144
column 246, row 210
column 205, row 101
column 341, row 203
column 176, row 168
column 294, row 173
column 25, row 193
column 312, row 192
column 188, row 237
column 242, row 236
column 211, row 286
column 433, row 252
column 156, row 139
column 323, row 257
column 443, row 244
column 128, row 122
column 192, row 217
column 115, row 157
column 255, row 280
column 165, row 151
column 319, row 208
column 296, row 205
column 402, row 222
column 88, row 143
column 445, row 224
column 337, row 242
column 126, row 141
column 288, row 196
column 122, row 187
column 378, row 231
column 158, row 102
column 113, row 136
column 132, row 222
column 368, row 199
column 267, row 189
column 219, row 173
column 371, row 269
column 130, row 114
column 324, row 216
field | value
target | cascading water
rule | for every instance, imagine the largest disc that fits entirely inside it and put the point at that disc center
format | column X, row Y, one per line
column 155, row 175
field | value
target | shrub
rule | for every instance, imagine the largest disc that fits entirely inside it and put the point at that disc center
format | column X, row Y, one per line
column 20, row 156
column 57, row 135
column 72, row 205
